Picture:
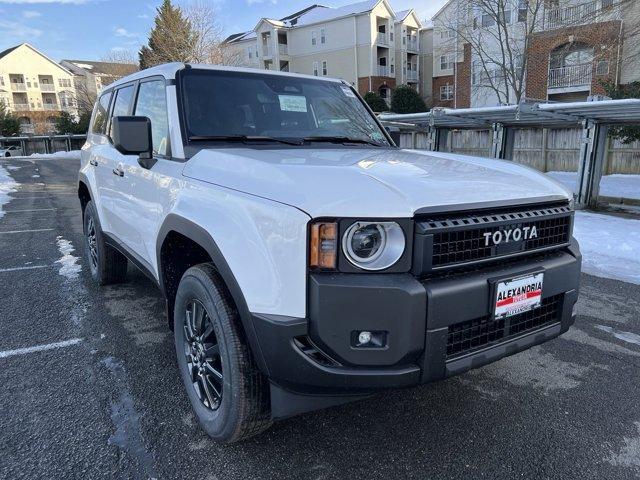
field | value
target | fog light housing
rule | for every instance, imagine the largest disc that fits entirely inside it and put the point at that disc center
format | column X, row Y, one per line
column 369, row 339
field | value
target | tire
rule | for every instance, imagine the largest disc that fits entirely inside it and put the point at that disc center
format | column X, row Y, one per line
column 7, row 154
column 107, row 265
column 242, row 409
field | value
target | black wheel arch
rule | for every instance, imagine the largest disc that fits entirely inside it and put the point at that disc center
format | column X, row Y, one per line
column 84, row 192
column 175, row 224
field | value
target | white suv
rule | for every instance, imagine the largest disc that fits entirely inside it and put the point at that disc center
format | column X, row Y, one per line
column 305, row 260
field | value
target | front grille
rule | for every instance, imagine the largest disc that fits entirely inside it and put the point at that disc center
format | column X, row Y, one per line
column 472, row 335
column 456, row 240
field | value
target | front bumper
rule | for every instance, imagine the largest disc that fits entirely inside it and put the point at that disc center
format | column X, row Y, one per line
column 315, row 356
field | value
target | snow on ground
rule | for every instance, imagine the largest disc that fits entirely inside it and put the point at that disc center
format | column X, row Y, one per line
column 610, row 246
column 7, row 185
column 69, row 266
column 617, row 185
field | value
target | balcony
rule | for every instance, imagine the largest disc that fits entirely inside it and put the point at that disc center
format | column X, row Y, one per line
column 383, row 71
column 20, row 107
column 412, row 44
column 266, row 51
column 412, row 76
column 50, row 106
column 283, row 49
column 47, row 87
column 18, row 87
column 560, row 17
column 382, row 38
column 574, row 77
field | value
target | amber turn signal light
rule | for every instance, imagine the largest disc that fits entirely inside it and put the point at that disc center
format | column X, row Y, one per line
column 323, row 245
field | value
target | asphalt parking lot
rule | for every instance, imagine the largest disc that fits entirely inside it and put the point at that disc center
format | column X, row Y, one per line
column 105, row 400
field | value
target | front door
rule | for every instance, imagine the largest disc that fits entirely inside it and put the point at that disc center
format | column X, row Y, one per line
column 144, row 197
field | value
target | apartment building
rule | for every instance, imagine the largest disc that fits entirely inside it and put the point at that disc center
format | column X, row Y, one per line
column 366, row 44
column 568, row 49
column 35, row 88
column 91, row 77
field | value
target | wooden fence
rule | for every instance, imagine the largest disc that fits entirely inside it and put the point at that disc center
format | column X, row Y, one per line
column 547, row 150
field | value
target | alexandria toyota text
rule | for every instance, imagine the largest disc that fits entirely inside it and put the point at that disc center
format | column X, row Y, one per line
column 514, row 234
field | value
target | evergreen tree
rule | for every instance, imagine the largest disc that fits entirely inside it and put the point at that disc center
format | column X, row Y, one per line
column 376, row 102
column 629, row 133
column 9, row 125
column 172, row 38
column 407, row 100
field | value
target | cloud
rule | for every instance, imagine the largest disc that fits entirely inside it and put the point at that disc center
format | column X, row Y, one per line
column 18, row 30
column 143, row 15
column 123, row 32
column 253, row 2
column 31, row 14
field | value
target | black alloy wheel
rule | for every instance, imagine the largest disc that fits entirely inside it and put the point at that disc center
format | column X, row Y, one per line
column 202, row 352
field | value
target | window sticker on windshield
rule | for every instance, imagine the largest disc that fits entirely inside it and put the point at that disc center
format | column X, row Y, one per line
column 293, row 103
column 348, row 92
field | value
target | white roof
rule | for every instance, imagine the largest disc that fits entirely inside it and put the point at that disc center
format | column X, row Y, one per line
column 323, row 14
column 402, row 14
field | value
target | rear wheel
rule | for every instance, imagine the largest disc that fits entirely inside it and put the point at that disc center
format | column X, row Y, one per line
column 229, row 395
column 107, row 265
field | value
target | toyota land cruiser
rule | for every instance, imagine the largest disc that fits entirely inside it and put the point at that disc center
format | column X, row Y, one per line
column 305, row 260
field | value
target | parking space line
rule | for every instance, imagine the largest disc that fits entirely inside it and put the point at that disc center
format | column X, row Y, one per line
column 28, row 231
column 15, row 269
column 40, row 348
column 32, row 210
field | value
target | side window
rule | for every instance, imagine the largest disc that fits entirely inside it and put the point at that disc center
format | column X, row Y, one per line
column 122, row 103
column 152, row 103
column 101, row 114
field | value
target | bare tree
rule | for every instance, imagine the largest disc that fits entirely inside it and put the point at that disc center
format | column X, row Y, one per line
column 208, row 46
column 498, row 35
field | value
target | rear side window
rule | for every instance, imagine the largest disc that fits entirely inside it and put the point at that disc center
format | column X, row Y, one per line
column 122, row 103
column 152, row 103
column 101, row 114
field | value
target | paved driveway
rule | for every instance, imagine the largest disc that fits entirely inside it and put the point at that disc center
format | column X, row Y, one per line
column 104, row 399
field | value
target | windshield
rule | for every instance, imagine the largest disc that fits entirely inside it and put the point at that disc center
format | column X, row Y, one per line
column 220, row 105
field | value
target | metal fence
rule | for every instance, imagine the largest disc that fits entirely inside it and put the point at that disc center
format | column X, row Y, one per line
column 45, row 143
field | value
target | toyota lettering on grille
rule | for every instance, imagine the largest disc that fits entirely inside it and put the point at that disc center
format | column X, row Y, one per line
column 511, row 235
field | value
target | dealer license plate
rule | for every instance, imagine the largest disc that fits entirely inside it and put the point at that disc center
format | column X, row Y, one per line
column 518, row 295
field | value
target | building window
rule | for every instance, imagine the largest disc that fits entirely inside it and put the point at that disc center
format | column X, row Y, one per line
column 1, row 81
column 391, row 36
column 602, row 67
column 315, row 68
column 314, row 38
column 607, row 3
column 324, row 68
column 488, row 20
column 323, row 36
column 523, row 10
column 446, row 92
column 447, row 62
column 392, row 69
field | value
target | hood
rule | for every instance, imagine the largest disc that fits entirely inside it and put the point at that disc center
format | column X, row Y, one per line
column 371, row 182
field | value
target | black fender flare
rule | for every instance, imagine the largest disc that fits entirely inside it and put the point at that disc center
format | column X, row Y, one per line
column 200, row 236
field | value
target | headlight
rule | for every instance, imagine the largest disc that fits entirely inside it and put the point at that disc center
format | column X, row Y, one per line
column 373, row 245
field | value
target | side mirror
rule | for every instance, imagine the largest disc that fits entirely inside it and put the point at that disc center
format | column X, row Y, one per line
column 132, row 136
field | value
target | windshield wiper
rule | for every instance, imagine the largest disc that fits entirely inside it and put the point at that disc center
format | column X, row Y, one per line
column 241, row 138
column 342, row 139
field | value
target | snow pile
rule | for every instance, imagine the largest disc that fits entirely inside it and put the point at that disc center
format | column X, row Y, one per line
column 43, row 156
column 69, row 266
column 7, row 186
column 617, row 185
column 610, row 246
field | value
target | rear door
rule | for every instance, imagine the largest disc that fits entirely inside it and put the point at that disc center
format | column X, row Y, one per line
column 99, row 154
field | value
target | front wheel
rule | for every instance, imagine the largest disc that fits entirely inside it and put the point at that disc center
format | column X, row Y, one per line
column 229, row 395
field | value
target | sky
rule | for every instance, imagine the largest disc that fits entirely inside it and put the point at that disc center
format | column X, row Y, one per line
column 91, row 29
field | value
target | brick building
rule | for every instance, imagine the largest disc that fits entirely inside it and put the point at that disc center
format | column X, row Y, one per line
column 576, row 46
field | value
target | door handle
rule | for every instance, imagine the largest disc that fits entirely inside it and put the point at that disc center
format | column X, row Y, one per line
column 118, row 171
column 93, row 162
